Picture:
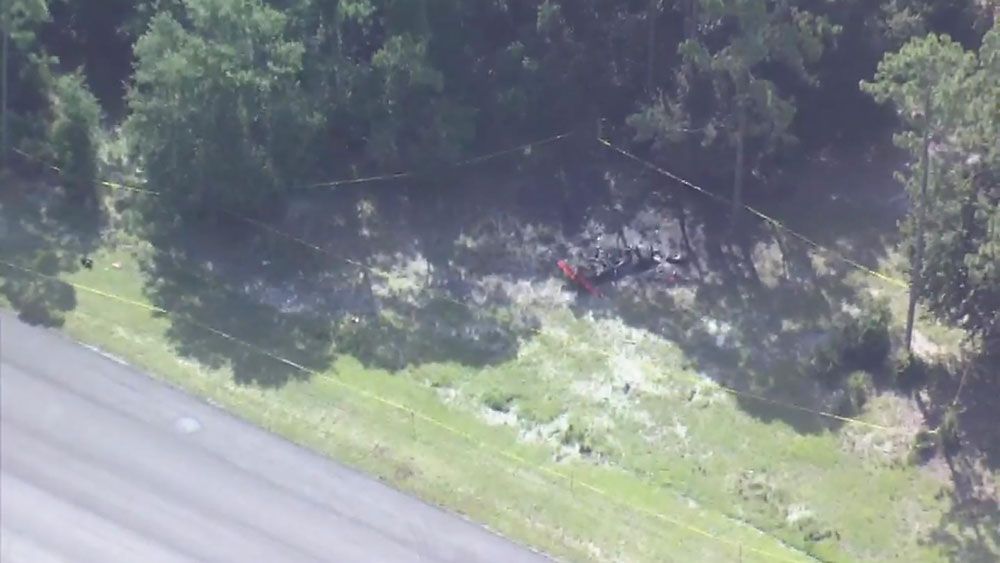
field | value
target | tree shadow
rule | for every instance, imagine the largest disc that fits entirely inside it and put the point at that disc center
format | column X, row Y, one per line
column 975, row 382
column 198, row 271
column 356, row 279
column 404, row 273
column 751, row 335
column 970, row 530
column 756, row 304
column 980, row 403
column 48, row 231
column 846, row 200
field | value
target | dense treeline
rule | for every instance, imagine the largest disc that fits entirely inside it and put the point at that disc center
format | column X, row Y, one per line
column 234, row 102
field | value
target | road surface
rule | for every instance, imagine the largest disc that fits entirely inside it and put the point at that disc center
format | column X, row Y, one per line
column 101, row 463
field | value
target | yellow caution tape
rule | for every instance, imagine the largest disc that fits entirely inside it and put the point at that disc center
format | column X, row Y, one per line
column 425, row 418
column 117, row 186
column 467, row 162
column 731, row 390
column 772, row 220
column 385, row 275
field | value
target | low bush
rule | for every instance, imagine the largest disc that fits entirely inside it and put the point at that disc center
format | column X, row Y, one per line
column 499, row 400
column 860, row 386
column 858, row 341
column 910, row 371
column 582, row 436
column 863, row 339
column 925, row 443
column 948, row 432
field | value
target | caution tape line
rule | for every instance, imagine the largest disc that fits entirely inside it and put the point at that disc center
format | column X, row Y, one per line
column 350, row 181
column 298, row 240
column 537, row 331
column 104, row 183
column 483, row 158
column 775, row 402
column 158, row 310
column 462, row 163
column 415, row 414
column 367, row 179
column 895, row 281
column 384, row 275
column 117, row 186
column 282, row 234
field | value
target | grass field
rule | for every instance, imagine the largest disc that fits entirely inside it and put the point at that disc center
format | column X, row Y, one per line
column 592, row 431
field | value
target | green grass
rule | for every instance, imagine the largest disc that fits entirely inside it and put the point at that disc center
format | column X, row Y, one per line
column 476, row 476
column 545, row 446
column 479, row 470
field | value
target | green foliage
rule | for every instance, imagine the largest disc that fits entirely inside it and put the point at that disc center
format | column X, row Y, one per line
column 863, row 339
column 218, row 114
column 910, row 371
column 725, row 69
column 498, row 399
column 584, row 437
column 898, row 21
column 23, row 94
column 20, row 19
column 949, row 429
column 825, row 362
column 958, row 89
column 73, row 131
column 410, row 120
column 858, row 340
column 925, row 443
column 859, row 388
column 945, row 438
column 540, row 408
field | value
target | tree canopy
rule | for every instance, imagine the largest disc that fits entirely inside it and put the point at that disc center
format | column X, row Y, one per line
column 951, row 95
column 233, row 103
column 217, row 109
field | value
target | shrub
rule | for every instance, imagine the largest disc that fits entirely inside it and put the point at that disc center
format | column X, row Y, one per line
column 582, row 436
column 73, row 131
column 859, row 389
column 910, row 370
column 540, row 409
column 825, row 362
column 498, row 400
column 857, row 342
column 948, row 431
column 863, row 339
column 924, row 445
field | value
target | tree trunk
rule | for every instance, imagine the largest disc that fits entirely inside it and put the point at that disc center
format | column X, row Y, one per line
column 651, row 14
column 3, row 91
column 741, row 127
column 916, row 270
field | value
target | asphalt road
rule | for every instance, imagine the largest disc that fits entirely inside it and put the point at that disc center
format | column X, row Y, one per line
column 101, row 463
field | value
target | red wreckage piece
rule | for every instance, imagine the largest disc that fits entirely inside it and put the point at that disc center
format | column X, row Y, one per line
column 578, row 278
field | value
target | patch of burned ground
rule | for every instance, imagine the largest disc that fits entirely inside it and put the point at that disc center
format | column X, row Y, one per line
column 747, row 307
column 463, row 268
